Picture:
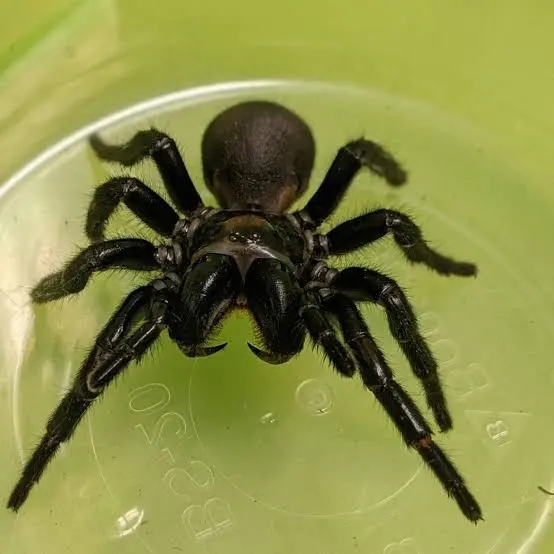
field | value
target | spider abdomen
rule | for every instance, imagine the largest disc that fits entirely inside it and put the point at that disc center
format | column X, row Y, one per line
column 257, row 154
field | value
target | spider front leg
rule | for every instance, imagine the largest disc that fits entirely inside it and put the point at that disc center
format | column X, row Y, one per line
column 367, row 285
column 136, row 254
column 368, row 228
column 322, row 333
column 163, row 150
column 151, row 208
column 348, row 161
column 115, row 347
column 378, row 378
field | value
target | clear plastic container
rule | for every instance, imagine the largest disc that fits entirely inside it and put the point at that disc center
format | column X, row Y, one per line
column 227, row 454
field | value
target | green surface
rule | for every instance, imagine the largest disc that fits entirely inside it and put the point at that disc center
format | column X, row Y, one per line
column 252, row 458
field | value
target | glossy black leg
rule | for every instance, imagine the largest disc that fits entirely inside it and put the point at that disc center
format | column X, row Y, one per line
column 323, row 334
column 115, row 347
column 368, row 285
column 209, row 290
column 134, row 308
column 365, row 229
column 134, row 254
column 163, row 150
column 378, row 378
column 348, row 161
column 151, row 208
column 273, row 298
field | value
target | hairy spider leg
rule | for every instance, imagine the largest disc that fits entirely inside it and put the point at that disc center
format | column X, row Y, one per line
column 147, row 205
column 164, row 152
column 134, row 254
column 322, row 333
column 346, row 164
column 364, row 284
column 365, row 229
column 114, row 348
column 367, row 285
column 379, row 379
column 209, row 289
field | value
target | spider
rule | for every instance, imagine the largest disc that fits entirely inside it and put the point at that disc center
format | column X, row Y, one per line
column 252, row 253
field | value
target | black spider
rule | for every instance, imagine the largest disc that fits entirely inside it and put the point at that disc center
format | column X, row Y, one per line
column 257, row 159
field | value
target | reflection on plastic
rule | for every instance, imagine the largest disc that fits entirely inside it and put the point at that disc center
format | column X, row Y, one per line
column 129, row 522
column 314, row 397
column 405, row 546
column 268, row 419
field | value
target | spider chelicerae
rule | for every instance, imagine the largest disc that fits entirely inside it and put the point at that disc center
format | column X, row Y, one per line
column 257, row 158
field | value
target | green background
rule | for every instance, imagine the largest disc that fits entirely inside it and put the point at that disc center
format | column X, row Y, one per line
column 463, row 92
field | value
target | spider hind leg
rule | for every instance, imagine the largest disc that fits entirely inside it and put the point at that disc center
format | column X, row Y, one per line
column 164, row 152
column 346, row 164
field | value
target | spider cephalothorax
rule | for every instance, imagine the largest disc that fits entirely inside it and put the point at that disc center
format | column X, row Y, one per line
column 250, row 253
